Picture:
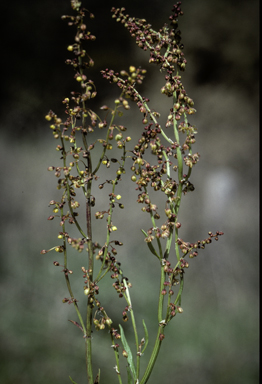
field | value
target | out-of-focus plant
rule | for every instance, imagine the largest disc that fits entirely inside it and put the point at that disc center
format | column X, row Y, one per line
column 162, row 160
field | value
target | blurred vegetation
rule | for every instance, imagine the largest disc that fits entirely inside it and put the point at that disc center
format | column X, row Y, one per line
column 216, row 338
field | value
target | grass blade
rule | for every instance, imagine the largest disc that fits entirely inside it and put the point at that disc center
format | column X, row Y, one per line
column 129, row 353
column 146, row 336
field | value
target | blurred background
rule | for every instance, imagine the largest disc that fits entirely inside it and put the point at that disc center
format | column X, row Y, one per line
column 216, row 338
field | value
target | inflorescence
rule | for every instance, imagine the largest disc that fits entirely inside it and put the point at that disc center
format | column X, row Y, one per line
column 170, row 147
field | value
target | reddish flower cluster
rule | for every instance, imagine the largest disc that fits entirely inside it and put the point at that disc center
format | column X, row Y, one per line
column 155, row 42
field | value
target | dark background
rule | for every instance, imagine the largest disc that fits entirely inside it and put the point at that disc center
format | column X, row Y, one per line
column 216, row 338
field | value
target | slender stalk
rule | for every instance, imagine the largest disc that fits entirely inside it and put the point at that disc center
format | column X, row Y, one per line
column 128, row 299
column 68, row 281
column 89, row 367
column 117, row 367
column 90, row 275
column 106, row 141
column 109, row 221
column 153, row 356
column 160, row 331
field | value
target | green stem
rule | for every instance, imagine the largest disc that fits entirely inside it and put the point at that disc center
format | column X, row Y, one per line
column 106, row 141
column 117, row 367
column 128, row 299
column 109, row 221
column 87, row 192
column 178, row 298
column 161, row 297
column 180, row 180
column 68, row 281
column 154, row 355
column 89, row 344
column 68, row 196
column 90, row 275
column 160, row 332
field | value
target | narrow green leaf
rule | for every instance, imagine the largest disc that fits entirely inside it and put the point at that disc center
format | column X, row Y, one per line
column 129, row 376
column 72, row 380
column 150, row 246
column 129, row 353
column 146, row 336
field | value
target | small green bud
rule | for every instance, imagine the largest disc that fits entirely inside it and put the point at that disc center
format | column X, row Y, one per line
column 139, row 161
column 101, row 125
column 118, row 136
column 109, row 321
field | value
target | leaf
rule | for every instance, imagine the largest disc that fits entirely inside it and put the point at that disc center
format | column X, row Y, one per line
column 129, row 353
column 76, row 323
column 72, row 380
column 129, row 376
column 150, row 246
column 146, row 335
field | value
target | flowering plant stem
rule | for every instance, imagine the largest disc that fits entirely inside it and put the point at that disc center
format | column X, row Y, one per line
column 171, row 156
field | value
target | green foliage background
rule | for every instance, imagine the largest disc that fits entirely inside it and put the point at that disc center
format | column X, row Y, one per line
column 216, row 338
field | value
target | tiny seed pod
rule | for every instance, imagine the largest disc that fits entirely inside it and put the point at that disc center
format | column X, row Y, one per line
column 139, row 161
column 101, row 125
column 109, row 321
column 118, row 136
